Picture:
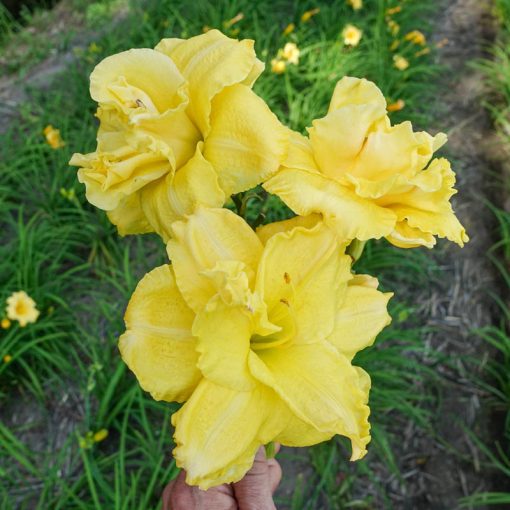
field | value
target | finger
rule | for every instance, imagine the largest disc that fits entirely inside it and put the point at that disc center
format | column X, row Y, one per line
column 275, row 474
column 253, row 492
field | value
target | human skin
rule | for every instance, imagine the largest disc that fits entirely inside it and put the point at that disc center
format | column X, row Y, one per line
column 253, row 492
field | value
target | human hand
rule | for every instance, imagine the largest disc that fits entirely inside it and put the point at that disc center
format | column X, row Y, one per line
column 253, row 492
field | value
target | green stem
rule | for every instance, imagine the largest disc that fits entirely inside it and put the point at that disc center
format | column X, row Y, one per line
column 270, row 450
column 355, row 249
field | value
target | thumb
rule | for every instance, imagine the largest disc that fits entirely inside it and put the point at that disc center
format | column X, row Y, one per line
column 254, row 491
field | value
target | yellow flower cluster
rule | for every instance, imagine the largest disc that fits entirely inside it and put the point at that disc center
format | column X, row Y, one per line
column 20, row 307
column 288, row 55
column 255, row 331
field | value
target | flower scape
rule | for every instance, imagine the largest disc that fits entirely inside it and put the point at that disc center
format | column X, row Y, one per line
column 255, row 330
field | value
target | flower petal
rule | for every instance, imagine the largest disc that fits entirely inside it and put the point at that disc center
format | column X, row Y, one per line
column 405, row 236
column 296, row 272
column 430, row 212
column 206, row 237
column 158, row 345
column 138, row 77
column 265, row 232
column 359, row 318
column 223, row 341
column 210, row 62
column 129, row 217
column 349, row 215
column 218, row 431
column 321, row 387
column 247, row 143
column 356, row 91
column 175, row 196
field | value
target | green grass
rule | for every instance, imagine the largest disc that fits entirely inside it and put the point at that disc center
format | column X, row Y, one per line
column 66, row 255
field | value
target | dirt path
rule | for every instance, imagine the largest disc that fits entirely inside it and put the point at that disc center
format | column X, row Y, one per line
column 461, row 303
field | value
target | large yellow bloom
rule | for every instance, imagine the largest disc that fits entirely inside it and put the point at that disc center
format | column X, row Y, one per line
column 367, row 178
column 179, row 126
column 257, row 335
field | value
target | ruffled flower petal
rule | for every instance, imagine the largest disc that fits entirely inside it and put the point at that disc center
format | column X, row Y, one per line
column 158, row 345
column 200, row 242
column 218, row 431
column 347, row 214
column 321, row 387
column 265, row 232
column 295, row 275
column 211, row 62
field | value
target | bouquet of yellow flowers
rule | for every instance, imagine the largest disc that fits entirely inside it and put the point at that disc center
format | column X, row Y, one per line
column 255, row 330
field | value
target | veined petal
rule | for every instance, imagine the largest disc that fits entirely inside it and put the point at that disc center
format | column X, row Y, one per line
column 223, row 341
column 356, row 91
column 219, row 429
column 138, row 80
column 158, row 345
column 321, row 387
column 296, row 271
column 211, row 62
column 351, row 217
column 360, row 318
column 247, row 143
column 265, row 232
column 206, row 237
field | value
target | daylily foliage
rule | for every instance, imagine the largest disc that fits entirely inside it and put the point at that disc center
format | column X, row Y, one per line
column 255, row 331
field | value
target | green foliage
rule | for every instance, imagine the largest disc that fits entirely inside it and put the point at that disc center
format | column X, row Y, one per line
column 67, row 256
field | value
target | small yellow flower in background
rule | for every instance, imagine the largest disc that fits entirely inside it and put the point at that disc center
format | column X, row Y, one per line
column 21, row 307
column 53, row 137
column 393, row 10
column 7, row 358
column 94, row 48
column 394, row 45
column 416, row 37
column 69, row 194
column 422, row 52
column 291, row 53
column 355, row 4
column 289, row 29
column 100, row 435
column 233, row 21
column 400, row 62
column 307, row 15
column 396, row 106
column 393, row 26
column 352, row 35
column 6, row 323
column 278, row 66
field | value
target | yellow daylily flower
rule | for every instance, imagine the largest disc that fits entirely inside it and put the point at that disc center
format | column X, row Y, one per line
column 416, row 37
column 291, row 53
column 308, row 15
column 367, row 178
column 278, row 66
column 21, row 307
column 256, row 338
column 400, row 62
column 289, row 29
column 53, row 137
column 179, row 127
column 355, row 4
column 5, row 323
column 351, row 35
